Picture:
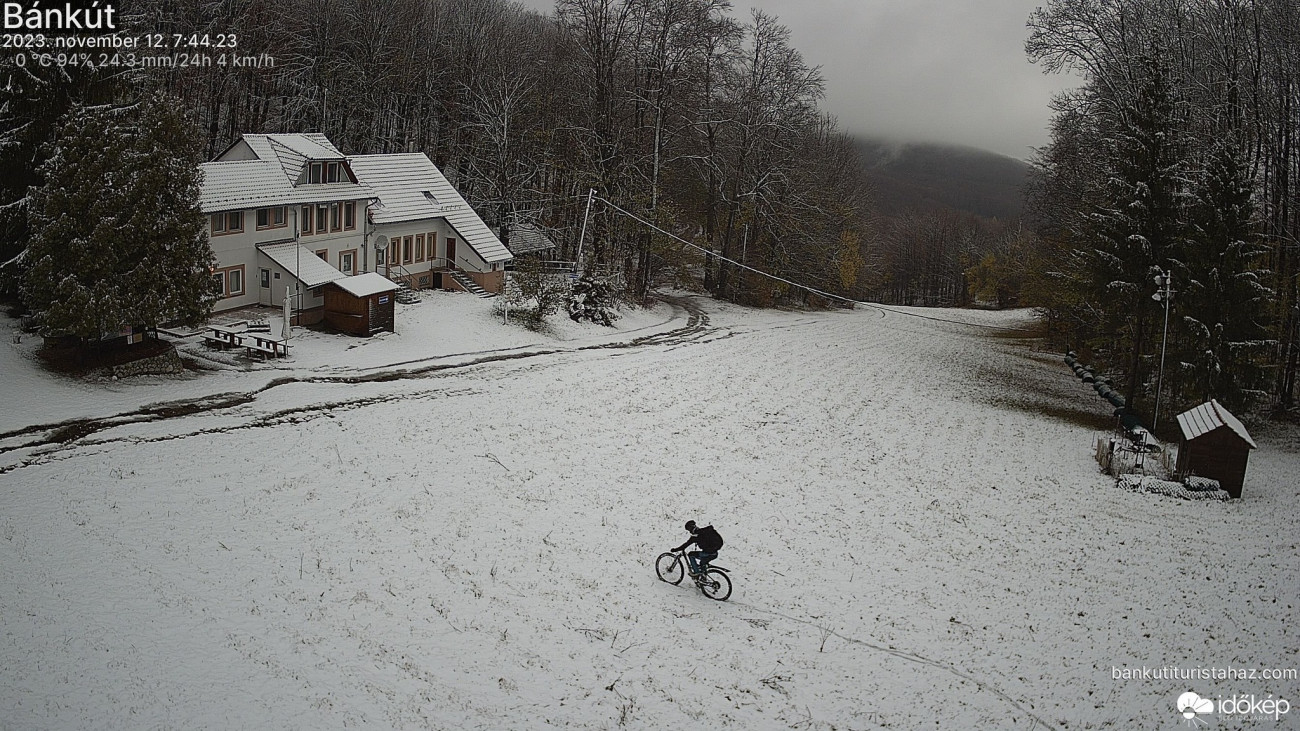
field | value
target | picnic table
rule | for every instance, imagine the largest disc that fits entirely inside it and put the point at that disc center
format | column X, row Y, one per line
column 222, row 337
column 265, row 345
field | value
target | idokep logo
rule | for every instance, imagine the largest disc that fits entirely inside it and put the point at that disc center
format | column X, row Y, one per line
column 1191, row 707
column 1194, row 709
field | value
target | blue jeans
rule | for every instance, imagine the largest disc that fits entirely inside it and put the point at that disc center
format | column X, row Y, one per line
column 699, row 560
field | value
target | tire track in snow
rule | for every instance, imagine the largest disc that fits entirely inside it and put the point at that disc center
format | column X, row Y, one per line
column 912, row 658
column 62, row 434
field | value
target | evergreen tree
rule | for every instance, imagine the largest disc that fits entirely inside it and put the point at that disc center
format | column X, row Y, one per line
column 1139, row 225
column 593, row 300
column 118, row 239
column 33, row 100
column 1224, row 297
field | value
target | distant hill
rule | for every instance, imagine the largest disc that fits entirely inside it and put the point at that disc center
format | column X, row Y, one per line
column 926, row 176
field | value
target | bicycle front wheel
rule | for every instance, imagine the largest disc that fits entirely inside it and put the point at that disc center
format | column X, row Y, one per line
column 716, row 585
column 669, row 568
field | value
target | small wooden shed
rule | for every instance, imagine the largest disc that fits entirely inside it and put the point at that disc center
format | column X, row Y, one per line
column 360, row 305
column 1214, row 444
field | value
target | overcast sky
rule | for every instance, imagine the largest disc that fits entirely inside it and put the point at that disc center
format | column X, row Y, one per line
column 921, row 70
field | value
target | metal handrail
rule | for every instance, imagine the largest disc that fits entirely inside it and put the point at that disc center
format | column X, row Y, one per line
column 401, row 271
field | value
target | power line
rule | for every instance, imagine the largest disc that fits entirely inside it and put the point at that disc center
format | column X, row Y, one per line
column 805, row 287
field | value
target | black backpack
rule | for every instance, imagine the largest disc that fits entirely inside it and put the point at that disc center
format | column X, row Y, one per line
column 708, row 539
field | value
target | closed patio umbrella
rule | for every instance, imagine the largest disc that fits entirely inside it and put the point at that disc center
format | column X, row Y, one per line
column 288, row 313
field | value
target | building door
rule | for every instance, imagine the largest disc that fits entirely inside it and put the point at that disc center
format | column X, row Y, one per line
column 451, row 254
column 264, row 287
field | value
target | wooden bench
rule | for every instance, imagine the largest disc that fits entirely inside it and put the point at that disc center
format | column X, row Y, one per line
column 222, row 337
column 265, row 345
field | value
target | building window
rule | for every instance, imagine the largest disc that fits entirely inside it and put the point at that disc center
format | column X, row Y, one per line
column 347, row 261
column 322, row 218
column 336, row 217
column 349, row 216
column 406, row 249
column 433, row 243
column 332, row 172
column 317, row 291
column 324, row 255
column 419, row 247
column 271, row 217
column 393, row 245
column 228, row 282
column 228, row 223
column 305, row 221
column 316, row 172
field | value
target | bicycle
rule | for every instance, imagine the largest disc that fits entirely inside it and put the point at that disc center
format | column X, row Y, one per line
column 713, row 583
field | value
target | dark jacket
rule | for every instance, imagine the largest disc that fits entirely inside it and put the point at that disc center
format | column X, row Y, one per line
column 706, row 538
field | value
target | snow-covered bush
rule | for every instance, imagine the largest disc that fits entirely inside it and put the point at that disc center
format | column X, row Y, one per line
column 532, row 294
column 593, row 300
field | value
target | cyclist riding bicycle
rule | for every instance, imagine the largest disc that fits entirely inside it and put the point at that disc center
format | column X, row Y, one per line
column 709, row 543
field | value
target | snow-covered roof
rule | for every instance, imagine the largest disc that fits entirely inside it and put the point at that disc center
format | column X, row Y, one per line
column 411, row 188
column 241, row 184
column 526, row 238
column 364, row 285
column 299, row 262
column 234, row 182
column 308, row 145
column 1210, row 416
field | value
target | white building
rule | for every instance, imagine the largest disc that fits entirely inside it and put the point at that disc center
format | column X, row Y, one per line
column 434, row 238
column 289, row 213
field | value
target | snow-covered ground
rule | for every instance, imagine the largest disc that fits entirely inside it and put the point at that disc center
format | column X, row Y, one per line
column 416, row 531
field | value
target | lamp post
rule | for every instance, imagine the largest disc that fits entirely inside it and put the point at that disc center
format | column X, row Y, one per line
column 1165, row 293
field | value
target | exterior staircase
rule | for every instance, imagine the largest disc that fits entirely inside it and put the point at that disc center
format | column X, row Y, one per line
column 468, row 284
column 399, row 276
column 406, row 295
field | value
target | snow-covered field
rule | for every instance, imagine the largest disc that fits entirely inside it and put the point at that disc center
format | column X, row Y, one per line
column 417, row 531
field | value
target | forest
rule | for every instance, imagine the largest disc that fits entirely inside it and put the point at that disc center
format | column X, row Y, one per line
column 705, row 124
column 1166, row 201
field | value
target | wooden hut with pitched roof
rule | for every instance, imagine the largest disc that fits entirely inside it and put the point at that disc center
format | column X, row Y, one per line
column 1215, row 444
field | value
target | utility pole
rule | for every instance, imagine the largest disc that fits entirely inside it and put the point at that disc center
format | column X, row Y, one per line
column 1165, row 293
column 582, row 233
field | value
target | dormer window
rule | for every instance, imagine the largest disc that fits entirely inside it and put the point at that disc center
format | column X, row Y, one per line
column 327, row 172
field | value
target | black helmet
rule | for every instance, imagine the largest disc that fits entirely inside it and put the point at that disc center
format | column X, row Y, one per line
column 690, row 526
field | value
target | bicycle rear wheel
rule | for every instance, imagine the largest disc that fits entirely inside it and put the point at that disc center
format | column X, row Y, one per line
column 716, row 585
column 669, row 568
